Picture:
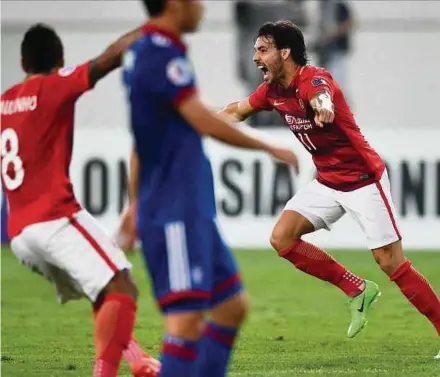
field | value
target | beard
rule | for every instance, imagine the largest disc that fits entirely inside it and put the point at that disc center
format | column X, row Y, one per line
column 276, row 71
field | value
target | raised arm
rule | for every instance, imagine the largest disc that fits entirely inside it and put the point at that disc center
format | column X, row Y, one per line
column 111, row 58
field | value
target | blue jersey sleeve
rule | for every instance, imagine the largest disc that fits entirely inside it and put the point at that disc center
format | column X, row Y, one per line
column 166, row 72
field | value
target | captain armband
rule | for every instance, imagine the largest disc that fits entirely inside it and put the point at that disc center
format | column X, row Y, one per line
column 322, row 101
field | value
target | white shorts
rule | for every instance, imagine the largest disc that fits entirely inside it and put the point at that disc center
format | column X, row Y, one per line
column 371, row 206
column 76, row 254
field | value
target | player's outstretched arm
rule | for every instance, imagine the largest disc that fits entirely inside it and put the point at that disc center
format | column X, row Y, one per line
column 206, row 122
column 111, row 58
column 237, row 111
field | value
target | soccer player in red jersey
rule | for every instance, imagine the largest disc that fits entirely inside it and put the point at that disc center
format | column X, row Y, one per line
column 351, row 176
column 49, row 231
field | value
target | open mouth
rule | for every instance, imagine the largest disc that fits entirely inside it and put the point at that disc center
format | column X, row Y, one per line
column 263, row 69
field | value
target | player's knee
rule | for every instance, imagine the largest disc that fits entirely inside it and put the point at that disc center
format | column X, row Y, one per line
column 281, row 240
column 389, row 257
column 290, row 227
column 385, row 263
column 277, row 239
column 122, row 283
column 240, row 309
column 187, row 325
column 232, row 312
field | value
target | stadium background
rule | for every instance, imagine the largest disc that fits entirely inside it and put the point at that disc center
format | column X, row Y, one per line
column 297, row 323
column 393, row 82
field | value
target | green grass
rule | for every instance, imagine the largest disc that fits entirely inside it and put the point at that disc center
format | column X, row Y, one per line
column 296, row 327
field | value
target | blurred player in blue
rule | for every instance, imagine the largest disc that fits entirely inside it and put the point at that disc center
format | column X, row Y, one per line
column 171, row 193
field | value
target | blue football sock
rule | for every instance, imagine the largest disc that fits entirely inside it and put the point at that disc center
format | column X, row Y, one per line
column 178, row 357
column 215, row 348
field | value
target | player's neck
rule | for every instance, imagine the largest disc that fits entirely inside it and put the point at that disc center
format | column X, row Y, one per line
column 166, row 24
column 31, row 76
column 291, row 72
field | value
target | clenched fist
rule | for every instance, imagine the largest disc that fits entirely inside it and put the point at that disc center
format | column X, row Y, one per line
column 324, row 116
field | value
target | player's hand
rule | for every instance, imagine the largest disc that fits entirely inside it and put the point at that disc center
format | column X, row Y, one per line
column 324, row 116
column 126, row 235
column 285, row 155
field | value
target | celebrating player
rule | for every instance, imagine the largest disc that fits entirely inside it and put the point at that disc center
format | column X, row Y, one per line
column 49, row 230
column 351, row 176
column 172, row 192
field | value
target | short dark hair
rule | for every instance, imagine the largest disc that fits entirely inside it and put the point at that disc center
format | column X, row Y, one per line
column 41, row 49
column 155, row 7
column 286, row 34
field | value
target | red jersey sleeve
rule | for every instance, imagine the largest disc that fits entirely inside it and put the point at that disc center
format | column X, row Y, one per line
column 258, row 99
column 318, row 82
column 68, row 83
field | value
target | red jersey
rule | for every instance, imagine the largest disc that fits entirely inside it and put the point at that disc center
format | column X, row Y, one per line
column 36, row 146
column 343, row 158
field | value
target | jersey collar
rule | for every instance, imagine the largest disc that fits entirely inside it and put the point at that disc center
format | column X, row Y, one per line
column 150, row 28
column 296, row 80
column 280, row 90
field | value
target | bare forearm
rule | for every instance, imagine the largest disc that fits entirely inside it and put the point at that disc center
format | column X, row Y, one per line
column 238, row 111
column 231, row 113
column 133, row 177
column 242, row 136
column 208, row 123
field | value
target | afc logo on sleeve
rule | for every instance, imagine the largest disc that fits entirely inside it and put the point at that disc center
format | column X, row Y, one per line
column 317, row 82
column 66, row 71
column 180, row 71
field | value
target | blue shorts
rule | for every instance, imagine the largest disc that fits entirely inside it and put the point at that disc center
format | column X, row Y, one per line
column 190, row 266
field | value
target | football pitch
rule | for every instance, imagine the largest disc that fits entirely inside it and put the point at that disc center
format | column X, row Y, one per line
column 296, row 326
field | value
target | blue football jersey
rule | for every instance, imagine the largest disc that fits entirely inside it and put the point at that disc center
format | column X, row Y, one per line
column 175, row 180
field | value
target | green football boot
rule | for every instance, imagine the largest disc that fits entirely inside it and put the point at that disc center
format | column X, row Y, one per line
column 359, row 307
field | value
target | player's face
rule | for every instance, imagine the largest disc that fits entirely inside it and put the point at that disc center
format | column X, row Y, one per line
column 268, row 59
column 192, row 12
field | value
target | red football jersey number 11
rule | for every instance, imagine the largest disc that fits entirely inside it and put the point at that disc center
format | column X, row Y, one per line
column 305, row 140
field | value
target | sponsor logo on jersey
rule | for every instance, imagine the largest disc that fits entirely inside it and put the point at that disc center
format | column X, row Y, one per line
column 298, row 124
column 66, row 71
column 179, row 71
column 279, row 102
